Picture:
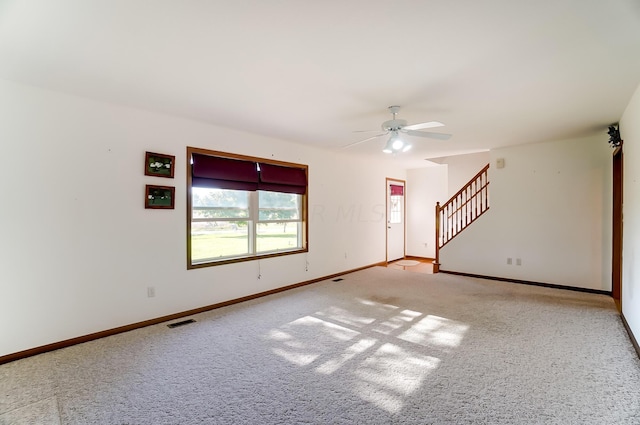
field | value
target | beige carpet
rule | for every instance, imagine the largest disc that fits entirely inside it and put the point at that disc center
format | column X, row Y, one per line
column 382, row 346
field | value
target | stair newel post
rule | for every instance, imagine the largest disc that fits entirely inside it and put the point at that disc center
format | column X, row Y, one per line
column 436, row 262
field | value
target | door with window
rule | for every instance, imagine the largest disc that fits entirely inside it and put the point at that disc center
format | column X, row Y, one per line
column 395, row 219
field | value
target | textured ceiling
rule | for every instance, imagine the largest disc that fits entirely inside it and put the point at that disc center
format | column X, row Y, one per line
column 314, row 72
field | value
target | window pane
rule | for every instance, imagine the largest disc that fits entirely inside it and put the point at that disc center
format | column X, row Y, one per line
column 220, row 203
column 278, row 214
column 215, row 239
column 277, row 236
column 395, row 209
column 278, row 206
column 220, row 198
column 219, row 213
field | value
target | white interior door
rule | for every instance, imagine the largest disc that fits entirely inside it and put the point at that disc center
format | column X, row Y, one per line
column 395, row 219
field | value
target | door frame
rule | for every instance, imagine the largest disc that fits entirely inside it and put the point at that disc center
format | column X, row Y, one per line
column 616, row 235
column 389, row 181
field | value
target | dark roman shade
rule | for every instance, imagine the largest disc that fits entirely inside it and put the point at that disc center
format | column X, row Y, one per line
column 277, row 178
column 215, row 172
column 397, row 190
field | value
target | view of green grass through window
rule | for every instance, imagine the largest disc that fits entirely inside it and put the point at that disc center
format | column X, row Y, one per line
column 226, row 224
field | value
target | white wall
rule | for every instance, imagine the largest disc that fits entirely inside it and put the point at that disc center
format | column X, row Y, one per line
column 550, row 207
column 462, row 168
column 630, row 132
column 425, row 187
column 78, row 249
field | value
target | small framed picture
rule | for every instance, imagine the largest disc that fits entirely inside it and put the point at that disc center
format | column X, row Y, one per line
column 159, row 165
column 159, row 197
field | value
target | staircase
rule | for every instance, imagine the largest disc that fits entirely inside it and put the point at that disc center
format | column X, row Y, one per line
column 460, row 211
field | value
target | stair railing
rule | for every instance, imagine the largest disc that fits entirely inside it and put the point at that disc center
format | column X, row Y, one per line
column 461, row 210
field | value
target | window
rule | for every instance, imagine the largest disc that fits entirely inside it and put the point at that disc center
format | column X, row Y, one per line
column 396, row 200
column 243, row 208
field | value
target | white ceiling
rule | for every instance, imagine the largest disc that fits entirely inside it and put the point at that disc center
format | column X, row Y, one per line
column 496, row 72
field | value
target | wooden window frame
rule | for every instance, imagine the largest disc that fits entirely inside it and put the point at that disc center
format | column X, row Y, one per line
column 304, row 211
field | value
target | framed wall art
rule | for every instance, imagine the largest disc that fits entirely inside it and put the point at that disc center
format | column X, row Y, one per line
column 159, row 165
column 159, row 197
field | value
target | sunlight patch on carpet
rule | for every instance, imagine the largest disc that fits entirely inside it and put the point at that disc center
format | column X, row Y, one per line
column 376, row 343
column 435, row 331
column 347, row 317
column 392, row 374
column 306, row 339
column 400, row 320
column 332, row 365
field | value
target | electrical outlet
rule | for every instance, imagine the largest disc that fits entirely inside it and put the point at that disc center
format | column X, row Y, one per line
column 518, row 261
column 509, row 261
column 151, row 291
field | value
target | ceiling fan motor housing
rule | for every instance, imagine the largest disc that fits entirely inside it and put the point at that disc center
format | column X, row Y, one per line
column 395, row 124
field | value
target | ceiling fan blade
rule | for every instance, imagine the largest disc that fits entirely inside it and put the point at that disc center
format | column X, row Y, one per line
column 364, row 140
column 430, row 124
column 440, row 136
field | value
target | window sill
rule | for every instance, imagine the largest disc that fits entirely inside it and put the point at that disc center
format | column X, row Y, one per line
column 212, row 263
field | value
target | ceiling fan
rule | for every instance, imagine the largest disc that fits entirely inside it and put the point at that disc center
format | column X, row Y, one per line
column 396, row 126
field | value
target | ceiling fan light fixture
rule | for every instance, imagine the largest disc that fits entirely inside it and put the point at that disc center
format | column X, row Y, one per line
column 395, row 141
column 395, row 144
